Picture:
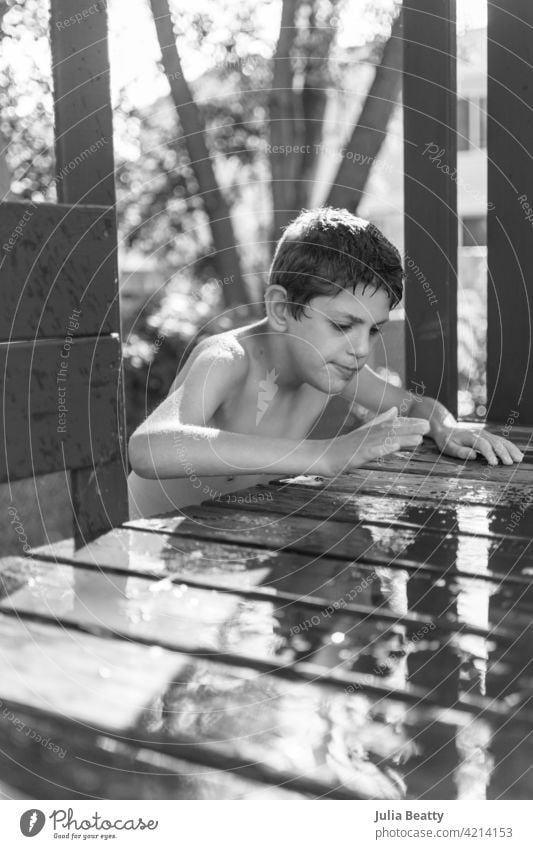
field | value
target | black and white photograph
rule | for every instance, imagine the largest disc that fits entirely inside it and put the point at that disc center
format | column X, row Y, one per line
column 266, row 437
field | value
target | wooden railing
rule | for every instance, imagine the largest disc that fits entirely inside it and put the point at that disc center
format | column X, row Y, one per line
column 60, row 351
column 431, row 220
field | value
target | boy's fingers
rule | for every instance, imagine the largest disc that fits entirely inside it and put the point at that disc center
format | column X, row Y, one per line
column 410, row 440
column 484, row 447
column 383, row 449
column 411, row 419
column 383, row 417
column 503, row 454
column 461, row 452
column 408, row 426
column 515, row 452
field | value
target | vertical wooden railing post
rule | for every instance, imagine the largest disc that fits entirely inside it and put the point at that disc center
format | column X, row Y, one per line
column 510, row 215
column 85, row 175
column 430, row 162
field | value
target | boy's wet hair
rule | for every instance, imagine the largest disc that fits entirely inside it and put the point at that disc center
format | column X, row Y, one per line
column 326, row 250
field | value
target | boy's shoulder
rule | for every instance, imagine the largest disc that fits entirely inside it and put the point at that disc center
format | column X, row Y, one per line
column 225, row 346
column 221, row 357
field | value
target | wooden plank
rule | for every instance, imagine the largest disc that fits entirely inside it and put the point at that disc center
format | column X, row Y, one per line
column 40, row 379
column 347, row 746
column 289, row 579
column 95, row 684
column 85, row 175
column 381, row 600
column 471, row 470
column 373, row 544
column 454, row 490
column 90, row 766
column 103, row 683
column 430, row 157
column 97, row 497
column 217, row 762
column 392, row 512
column 510, row 216
column 61, row 261
column 82, row 593
column 258, row 573
column 211, row 564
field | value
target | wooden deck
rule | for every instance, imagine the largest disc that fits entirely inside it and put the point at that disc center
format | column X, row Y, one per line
column 362, row 638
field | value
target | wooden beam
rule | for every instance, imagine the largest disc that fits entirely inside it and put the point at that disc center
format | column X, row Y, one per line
column 82, row 103
column 85, row 175
column 430, row 159
column 57, row 259
column 59, row 406
column 510, row 215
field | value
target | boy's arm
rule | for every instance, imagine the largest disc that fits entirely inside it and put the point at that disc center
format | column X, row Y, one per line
column 370, row 390
column 175, row 441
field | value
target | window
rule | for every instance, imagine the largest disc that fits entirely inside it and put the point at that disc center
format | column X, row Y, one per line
column 474, row 231
column 471, row 123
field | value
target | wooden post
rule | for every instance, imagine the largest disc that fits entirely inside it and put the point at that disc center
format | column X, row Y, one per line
column 510, row 215
column 430, row 161
column 85, row 175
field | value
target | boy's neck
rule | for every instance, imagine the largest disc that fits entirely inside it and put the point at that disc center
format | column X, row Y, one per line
column 270, row 352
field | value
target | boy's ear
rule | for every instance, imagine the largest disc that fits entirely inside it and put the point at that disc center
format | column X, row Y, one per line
column 276, row 307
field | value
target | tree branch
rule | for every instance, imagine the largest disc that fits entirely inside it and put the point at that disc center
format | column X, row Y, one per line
column 371, row 129
column 226, row 257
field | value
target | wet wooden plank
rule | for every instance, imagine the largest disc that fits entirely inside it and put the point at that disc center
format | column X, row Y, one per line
column 385, row 510
column 481, row 491
column 372, row 748
column 99, row 682
column 47, row 431
column 9, row 792
column 267, row 748
column 90, row 766
column 373, row 544
column 270, row 635
column 197, row 715
column 400, row 462
column 61, row 261
column 254, row 572
column 315, row 587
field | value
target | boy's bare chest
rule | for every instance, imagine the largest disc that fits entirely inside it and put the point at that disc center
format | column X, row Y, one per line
column 261, row 409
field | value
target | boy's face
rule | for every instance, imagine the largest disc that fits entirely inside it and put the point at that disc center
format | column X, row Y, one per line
column 332, row 342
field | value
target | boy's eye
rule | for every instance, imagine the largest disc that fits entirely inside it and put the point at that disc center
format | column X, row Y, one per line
column 375, row 330
column 341, row 327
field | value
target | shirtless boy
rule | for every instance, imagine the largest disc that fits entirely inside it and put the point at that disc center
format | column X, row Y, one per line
column 246, row 399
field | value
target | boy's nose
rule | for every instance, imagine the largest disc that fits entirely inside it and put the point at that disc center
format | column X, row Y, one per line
column 359, row 347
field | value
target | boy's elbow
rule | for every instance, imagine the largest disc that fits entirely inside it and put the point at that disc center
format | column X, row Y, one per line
column 139, row 456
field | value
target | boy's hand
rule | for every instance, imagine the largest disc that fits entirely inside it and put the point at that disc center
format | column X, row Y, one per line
column 467, row 444
column 384, row 435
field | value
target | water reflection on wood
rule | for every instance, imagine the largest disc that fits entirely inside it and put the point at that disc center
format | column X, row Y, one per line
column 366, row 637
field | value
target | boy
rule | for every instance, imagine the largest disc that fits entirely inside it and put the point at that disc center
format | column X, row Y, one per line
column 246, row 399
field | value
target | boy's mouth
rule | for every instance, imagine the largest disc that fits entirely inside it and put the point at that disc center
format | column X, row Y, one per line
column 346, row 371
